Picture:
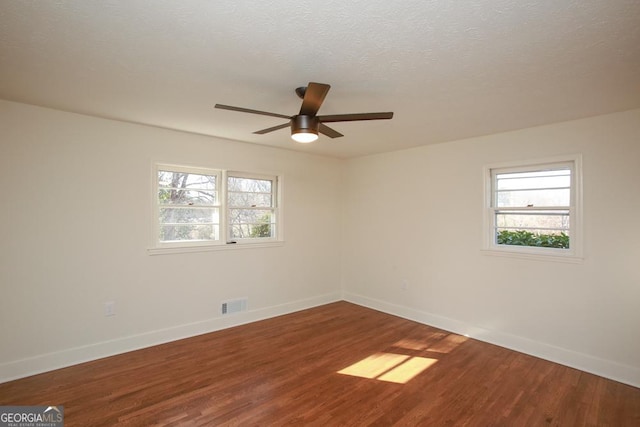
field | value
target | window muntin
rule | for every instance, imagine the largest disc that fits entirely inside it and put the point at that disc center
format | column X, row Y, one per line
column 251, row 206
column 209, row 207
column 533, row 208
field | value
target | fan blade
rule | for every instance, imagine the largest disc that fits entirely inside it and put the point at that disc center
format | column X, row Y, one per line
column 313, row 98
column 331, row 133
column 355, row 117
column 263, row 131
column 247, row 110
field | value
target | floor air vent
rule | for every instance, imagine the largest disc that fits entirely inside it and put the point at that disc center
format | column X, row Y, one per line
column 234, row 306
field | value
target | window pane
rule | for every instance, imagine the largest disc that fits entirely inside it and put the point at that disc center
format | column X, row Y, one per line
column 249, row 184
column 262, row 200
column 240, row 231
column 169, row 179
column 531, row 180
column 537, row 188
column 558, row 221
column 537, row 229
column 538, row 198
column 188, row 215
column 539, row 238
column 251, row 223
column 187, row 197
column 188, row 232
column 258, row 216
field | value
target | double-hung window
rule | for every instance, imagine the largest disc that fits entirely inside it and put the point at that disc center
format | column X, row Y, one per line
column 251, row 207
column 534, row 208
column 199, row 207
column 188, row 203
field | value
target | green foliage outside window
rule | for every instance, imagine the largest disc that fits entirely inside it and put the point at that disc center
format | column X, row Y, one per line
column 527, row 238
column 263, row 229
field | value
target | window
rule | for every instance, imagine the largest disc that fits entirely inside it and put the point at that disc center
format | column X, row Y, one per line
column 251, row 206
column 198, row 207
column 534, row 208
column 188, row 205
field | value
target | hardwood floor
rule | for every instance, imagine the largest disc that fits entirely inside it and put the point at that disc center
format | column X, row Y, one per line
column 285, row 371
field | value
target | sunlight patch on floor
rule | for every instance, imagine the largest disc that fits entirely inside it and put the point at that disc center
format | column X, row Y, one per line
column 374, row 365
column 443, row 344
column 411, row 344
column 407, row 370
column 447, row 344
column 396, row 368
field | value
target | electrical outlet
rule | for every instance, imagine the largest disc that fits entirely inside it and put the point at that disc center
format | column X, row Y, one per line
column 110, row 308
column 404, row 285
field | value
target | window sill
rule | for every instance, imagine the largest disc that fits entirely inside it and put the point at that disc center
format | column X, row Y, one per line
column 212, row 248
column 568, row 259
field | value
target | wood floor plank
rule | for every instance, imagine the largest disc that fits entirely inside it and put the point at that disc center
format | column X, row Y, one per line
column 285, row 371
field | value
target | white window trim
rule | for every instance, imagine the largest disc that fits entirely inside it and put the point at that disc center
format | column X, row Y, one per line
column 161, row 248
column 572, row 255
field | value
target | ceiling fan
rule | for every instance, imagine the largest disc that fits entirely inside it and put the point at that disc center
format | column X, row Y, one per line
column 306, row 124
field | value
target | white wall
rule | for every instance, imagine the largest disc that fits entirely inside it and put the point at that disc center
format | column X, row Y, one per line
column 75, row 225
column 417, row 215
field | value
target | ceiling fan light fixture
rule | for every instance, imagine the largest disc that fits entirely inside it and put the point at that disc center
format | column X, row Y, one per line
column 306, row 125
column 304, row 129
column 304, row 137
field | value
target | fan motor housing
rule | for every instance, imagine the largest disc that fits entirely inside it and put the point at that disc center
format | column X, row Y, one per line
column 305, row 124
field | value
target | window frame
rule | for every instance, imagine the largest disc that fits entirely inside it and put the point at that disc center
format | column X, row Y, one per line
column 158, row 247
column 275, row 205
column 575, row 251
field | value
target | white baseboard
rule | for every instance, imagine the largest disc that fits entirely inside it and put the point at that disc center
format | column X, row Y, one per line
column 61, row 359
column 622, row 373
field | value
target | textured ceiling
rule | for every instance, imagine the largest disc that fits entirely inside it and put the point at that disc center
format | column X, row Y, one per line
column 448, row 69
